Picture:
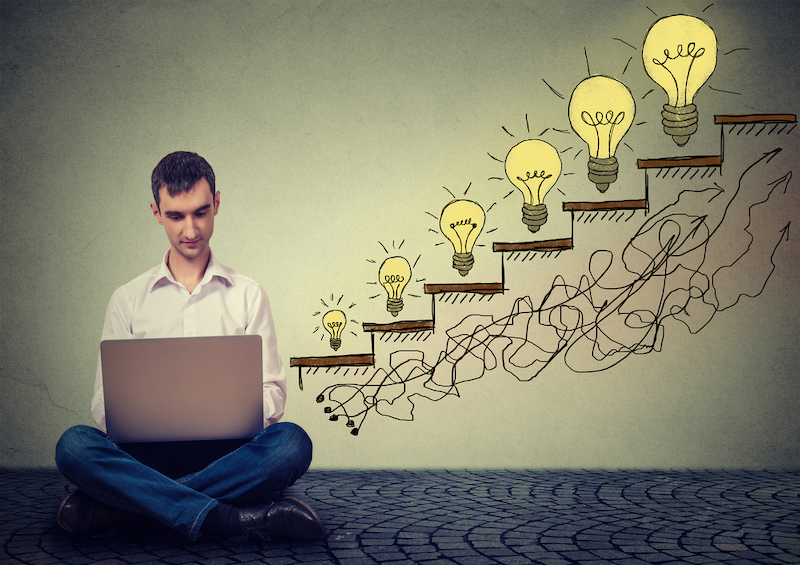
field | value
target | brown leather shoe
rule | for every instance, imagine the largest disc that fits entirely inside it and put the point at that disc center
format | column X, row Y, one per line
column 285, row 518
column 79, row 513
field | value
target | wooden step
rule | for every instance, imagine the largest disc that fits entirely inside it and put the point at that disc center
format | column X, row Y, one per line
column 363, row 360
column 545, row 245
column 473, row 288
column 605, row 206
column 755, row 118
column 400, row 327
column 685, row 162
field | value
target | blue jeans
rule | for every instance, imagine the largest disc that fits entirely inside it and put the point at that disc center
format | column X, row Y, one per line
column 260, row 469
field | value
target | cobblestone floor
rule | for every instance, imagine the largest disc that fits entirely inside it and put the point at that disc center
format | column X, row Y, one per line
column 462, row 517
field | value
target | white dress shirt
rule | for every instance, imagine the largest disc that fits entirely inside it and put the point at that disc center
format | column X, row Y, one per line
column 225, row 302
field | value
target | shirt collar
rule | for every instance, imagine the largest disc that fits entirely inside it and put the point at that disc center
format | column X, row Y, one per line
column 163, row 276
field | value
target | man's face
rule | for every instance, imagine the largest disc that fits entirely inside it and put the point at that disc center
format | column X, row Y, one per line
column 188, row 218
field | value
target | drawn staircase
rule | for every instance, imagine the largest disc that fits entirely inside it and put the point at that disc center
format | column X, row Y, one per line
column 686, row 167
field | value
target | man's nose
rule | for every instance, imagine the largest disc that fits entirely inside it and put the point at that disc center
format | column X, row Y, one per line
column 190, row 230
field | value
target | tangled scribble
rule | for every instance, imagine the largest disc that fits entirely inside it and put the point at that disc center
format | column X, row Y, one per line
column 692, row 259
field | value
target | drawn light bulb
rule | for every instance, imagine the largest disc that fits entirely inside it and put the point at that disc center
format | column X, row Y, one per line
column 533, row 166
column 394, row 275
column 679, row 54
column 461, row 222
column 334, row 322
column 601, row 112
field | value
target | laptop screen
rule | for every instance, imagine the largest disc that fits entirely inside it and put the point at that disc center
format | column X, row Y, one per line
column 186, row 388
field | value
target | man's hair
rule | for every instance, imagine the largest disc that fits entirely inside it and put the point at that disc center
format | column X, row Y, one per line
column 179, row 172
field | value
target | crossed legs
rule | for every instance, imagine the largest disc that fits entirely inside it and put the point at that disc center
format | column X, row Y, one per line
column 260, row 469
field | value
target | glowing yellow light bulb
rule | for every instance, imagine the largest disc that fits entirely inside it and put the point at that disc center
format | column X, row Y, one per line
column 601, row 112
column 334, row 322
column 679, row 54
column 533, row 166
column 461, row 222
column 394, row 275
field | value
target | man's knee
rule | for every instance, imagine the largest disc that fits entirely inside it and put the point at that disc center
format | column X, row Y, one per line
column 295, row 435
column 71, row 449
column 292, row 440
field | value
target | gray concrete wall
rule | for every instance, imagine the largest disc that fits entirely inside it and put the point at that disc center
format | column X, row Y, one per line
column 332, row 127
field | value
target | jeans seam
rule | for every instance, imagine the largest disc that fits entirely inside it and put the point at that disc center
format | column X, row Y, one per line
column 201, row 513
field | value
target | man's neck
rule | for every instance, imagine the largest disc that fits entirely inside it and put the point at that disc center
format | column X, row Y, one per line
column 188, row 272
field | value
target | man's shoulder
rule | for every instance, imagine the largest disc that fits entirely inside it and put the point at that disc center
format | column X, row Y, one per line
column 234, row 276
column 241, row 280
column 139, row 283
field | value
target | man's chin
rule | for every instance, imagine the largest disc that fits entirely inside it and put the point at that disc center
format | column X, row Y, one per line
column 191, row 253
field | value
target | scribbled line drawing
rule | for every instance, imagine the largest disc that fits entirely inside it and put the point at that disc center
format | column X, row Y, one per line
column 695, row 257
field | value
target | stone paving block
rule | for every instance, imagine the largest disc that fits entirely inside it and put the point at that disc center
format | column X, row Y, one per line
column 463, row 517
column 514, row 560
column 355, row 561
column 390, row 557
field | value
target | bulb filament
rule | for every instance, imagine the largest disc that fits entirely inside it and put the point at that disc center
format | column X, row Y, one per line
column 692, row 55
column 536, row 175
column 600, row 120
column 392, row 284
column 462, row 234
column 335, row 328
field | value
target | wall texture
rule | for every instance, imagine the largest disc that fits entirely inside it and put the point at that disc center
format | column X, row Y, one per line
column 333, row 128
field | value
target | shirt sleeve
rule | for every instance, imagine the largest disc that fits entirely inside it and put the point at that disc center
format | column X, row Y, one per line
column 117, row 325
column 274, row 377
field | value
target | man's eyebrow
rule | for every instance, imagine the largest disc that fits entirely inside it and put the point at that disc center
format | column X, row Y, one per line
column 176, row 213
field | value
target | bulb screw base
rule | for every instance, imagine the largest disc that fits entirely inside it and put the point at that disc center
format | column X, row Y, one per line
column 335, row 343
column 602, row 172
column 534, row 216
column 462, row 262
column 680, row 122
column 394, row 305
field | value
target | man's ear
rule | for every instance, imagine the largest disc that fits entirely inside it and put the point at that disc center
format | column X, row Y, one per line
column 156, row 212
column 216, row 202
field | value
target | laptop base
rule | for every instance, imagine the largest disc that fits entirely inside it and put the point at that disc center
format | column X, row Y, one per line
column 176, row 459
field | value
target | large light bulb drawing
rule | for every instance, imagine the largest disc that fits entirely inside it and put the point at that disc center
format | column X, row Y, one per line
column 461, row 222
column 679, row 54
column 393, row 276
column 533, row 166
column 334, row 322
column 601, row 112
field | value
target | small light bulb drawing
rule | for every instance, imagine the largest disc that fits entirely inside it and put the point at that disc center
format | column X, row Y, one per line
column 461, row 223
column 601, row 111
column 679, row 54
column 393, row 276
column 533, row 166
column 334, row 322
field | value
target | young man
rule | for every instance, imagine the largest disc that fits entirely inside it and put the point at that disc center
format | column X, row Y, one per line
column 190, row 293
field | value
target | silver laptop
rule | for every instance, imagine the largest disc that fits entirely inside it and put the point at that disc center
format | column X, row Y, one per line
column 182, row 389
